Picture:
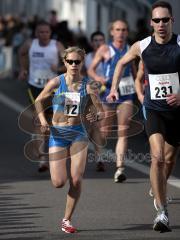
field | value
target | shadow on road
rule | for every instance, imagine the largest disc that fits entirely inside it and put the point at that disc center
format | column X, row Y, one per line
column 16, row 216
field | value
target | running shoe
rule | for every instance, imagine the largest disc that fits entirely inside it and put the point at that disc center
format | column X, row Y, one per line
column 43, row 166
column 161, row 222
column 119, row 176
column 67, row 227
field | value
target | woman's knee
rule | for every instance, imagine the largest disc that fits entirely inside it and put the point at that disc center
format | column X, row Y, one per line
column 58, row 183
column 76, row 181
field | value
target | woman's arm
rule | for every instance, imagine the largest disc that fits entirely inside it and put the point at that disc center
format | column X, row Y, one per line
column 41, row 101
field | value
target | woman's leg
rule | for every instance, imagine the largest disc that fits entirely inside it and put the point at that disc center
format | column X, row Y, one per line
column 57, row 164
column 78, row 162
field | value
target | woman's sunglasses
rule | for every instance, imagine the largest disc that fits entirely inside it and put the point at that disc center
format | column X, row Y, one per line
column 76, row 62
column 164, row 20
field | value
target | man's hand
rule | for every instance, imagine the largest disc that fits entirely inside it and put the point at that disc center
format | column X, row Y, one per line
column 23, row 75
column 173, row 100
column 113, row 96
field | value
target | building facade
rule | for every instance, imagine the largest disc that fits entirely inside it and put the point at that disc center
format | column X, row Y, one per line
column 93, row 14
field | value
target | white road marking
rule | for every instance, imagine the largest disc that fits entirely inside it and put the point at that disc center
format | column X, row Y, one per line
column 173, row 181
column 13, row 105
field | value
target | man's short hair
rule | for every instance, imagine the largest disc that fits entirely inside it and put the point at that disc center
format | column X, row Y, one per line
column 163, row 4
column 43, row 23
column 96, row 33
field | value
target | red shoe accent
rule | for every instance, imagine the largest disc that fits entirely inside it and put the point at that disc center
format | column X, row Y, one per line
column 67, row 227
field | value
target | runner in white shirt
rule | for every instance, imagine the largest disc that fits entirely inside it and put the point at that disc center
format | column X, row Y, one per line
column 39, row 61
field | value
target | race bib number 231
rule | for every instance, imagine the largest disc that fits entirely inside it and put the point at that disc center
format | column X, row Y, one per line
column 161, row 85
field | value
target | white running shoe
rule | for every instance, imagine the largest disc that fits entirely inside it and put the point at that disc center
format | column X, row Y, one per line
column 161, row 222
column 119, row 175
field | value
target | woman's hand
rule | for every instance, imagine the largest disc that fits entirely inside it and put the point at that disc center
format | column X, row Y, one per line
column 94, row 116
column 45, row 127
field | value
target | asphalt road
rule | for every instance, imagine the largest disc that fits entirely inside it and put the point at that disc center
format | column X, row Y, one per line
column 30, row 208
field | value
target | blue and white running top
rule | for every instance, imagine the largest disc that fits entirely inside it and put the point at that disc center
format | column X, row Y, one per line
column 126, row 86
column 71, row 103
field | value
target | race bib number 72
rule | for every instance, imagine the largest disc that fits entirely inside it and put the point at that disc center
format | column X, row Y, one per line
column 161, row 85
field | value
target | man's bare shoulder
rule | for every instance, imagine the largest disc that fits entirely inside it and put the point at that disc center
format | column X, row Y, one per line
column 135, row 49
column 102, row 51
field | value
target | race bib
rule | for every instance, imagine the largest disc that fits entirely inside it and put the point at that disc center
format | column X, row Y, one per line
column 41, row 77
column 72, row 103
column 126, row 86
column 162, row 85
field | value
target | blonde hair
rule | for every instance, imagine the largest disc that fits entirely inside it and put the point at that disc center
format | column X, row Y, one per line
column 76, row 49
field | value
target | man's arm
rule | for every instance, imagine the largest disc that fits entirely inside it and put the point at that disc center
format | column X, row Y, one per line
column 132, row 54
column 99, row 56
column 60, row 68
column 139, row 82
column 24, row 60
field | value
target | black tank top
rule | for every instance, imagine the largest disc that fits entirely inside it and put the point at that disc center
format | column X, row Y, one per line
column 162, row 64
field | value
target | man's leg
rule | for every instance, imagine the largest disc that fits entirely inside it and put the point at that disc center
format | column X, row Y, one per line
column 159, row 181
column 124, row 112
column 170, row 154
column 170, row 158
column 157, row 173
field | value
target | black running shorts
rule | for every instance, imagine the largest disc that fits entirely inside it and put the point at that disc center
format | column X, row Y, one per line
column 165, row 122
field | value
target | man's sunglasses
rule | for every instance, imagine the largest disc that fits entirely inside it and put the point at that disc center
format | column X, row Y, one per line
column 164, row 20
column 76, row 62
